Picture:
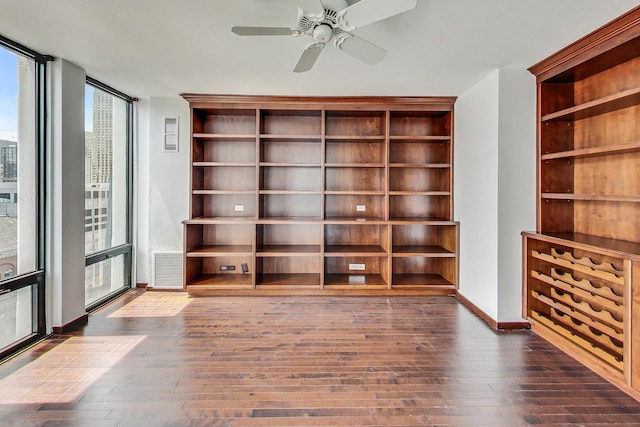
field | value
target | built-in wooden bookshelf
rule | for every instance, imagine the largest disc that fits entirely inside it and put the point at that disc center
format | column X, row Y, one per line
column 582, row 266
column 321, row 195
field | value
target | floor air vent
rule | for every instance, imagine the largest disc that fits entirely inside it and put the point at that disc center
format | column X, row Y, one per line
column 166, row 270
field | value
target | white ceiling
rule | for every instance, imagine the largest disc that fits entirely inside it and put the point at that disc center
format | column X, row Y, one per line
column 151, row 48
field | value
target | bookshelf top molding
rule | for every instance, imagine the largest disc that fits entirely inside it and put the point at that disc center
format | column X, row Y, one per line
column 596, row 47
column 380, row 103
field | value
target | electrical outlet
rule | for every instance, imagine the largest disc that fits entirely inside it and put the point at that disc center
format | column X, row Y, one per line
column 361, row 208
column 238, row 208
column 227, row 268
column 359, row 267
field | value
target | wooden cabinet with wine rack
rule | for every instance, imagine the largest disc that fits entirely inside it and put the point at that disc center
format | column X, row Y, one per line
column 321, row 196
column 582, row 266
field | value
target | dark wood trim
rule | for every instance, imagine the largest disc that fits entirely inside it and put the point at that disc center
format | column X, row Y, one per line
column 418, row 103
column 612, row 34
column 203, row 290
column 72, row 326
column 142, row 285
column 498, row 326
column 477, row 311
column 509, row 326
column 152, row 289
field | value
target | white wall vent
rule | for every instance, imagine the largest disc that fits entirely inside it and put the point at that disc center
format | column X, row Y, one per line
column 166, row 270
column 170, row 135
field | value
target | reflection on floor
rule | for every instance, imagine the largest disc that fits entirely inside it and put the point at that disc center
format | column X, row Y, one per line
column 154, row 304
column 65, row 372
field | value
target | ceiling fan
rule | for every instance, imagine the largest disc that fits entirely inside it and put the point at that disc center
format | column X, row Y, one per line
column 326, row 20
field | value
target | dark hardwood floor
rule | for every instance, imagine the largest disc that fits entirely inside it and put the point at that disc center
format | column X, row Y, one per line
column 165, row 359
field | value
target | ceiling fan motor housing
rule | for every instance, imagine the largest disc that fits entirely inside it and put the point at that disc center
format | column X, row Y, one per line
column 322, row 33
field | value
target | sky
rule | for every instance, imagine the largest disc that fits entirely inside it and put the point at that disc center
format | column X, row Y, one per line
column 8, row 95
column 9, row 98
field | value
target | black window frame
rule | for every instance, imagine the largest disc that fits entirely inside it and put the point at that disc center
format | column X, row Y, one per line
column 36, row 277
column 127, row 248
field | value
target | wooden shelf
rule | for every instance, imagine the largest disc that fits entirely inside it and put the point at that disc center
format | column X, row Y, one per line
column 289, row 192
column 287, row 250
column 618, row 247
column 412, row 220
column 290, row 165
column 215, row 136
column 355, row 165
column 354, row 250
column 629, row 147
column 364, row 193
column 289, row 220
column 239, row 281
column 419, row 193
column 298, row 138
column 421, row 250
column 213, row 221
column 293, row 280
column 219, row 250
column 210, row 192
column 420, row 138
column 354, row 280
column 607, row 104
column 355, row 138
column 413, row 280
column 223, row 164
column 421, row 165
column 591, row 197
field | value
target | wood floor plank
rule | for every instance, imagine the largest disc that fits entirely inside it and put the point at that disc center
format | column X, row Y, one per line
column 167, row 359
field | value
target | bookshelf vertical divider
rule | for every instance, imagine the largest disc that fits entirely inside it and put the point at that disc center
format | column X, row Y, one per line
column 331, row 195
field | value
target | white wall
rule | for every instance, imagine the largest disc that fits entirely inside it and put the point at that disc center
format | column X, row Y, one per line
column 495, row 188
column 65, row 195
column 167, row 189
column 516, row 184
column 476, row 192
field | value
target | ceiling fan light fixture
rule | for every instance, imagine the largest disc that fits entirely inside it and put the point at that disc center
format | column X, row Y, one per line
column 322, row 33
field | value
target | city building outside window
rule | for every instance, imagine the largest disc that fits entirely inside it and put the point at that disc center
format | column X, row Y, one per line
column 107, row 193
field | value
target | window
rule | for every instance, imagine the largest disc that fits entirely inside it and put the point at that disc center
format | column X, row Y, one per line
column 107, row 192
column 22, row 74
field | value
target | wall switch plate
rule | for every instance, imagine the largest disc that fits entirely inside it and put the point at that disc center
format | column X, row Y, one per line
column 238, row 208
column 361, row 208
column 359, row 267
column 227, row 268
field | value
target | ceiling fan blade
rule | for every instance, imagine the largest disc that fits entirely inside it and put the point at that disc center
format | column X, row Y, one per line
column 265, row 31
column 308, row 58
column 361, row 49
column 367, row 12
column 313, row 8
